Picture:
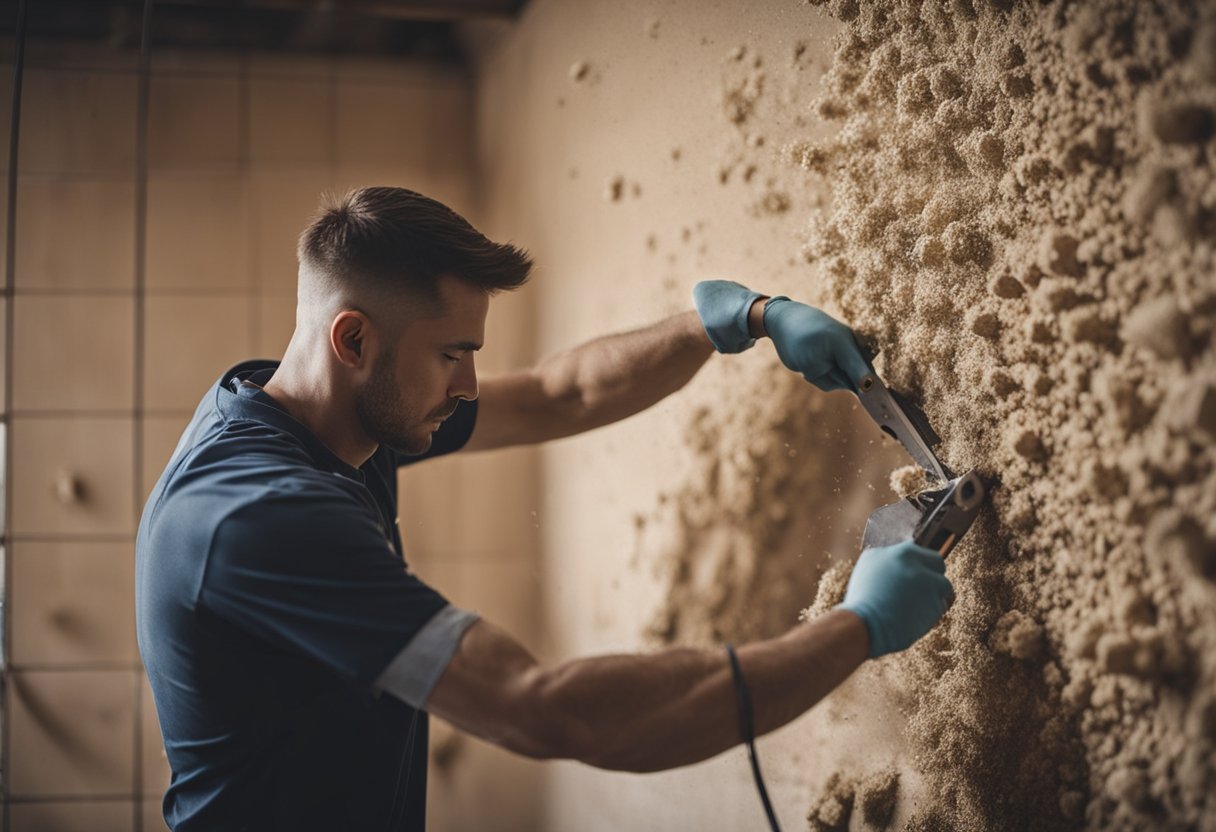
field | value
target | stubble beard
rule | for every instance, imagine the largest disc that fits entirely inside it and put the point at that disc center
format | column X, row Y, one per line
column 385, row 415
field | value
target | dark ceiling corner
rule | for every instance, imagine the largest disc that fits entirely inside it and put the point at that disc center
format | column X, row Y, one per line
column 400, row 28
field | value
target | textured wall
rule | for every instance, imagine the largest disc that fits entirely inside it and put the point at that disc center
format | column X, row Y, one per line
column 636, row 148
column 1016, row 201
column 1023, row 213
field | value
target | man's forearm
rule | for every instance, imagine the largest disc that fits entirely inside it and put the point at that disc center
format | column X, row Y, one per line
column 616, row 376
column 595, row 384
column 659, row 711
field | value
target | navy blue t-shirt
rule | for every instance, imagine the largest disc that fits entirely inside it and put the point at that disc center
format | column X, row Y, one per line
column 271, row 595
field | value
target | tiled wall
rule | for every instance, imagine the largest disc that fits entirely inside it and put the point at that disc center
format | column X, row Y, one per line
column 241, row 148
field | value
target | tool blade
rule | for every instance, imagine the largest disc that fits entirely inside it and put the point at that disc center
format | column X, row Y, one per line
column 890, row 524
column 902, row 420
column 936, row 519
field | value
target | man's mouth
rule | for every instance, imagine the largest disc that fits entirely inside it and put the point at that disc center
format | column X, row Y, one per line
column 442, row 417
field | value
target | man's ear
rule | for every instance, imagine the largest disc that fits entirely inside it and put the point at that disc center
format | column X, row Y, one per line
column 348, row 337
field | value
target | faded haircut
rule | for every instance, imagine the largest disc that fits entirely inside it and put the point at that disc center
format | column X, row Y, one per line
column 385, row 241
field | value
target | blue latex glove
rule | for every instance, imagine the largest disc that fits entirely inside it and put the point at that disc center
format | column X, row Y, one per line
column 900, row 592
column 723, row 306
column 815, row 344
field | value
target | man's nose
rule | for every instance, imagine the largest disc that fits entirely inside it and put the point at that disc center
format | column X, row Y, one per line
column 464, row 383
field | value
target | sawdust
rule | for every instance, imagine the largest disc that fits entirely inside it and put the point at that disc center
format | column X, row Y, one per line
column 830, row 592
column 1059, row 202
column 1017, row 635
column 579, row 71
column 614, row 189
column 1022, row 215
column 877, row 796
column 909, row 480
column 832, row 811
column 844, row 798
column 734, row 552
column 739, row 97
column 771, row 202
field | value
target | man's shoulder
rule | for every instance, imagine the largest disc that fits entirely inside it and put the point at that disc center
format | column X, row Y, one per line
column 243, row 467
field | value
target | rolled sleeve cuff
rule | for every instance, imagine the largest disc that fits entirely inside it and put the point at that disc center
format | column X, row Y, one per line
column 723, row 307
column 414, row 672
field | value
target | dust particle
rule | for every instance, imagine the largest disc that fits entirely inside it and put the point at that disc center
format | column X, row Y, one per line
column 877, row 796
column 909, row 480
column 1018, row 635
column 831, row 812
column 830, row 592
column 614, row 189
column 579, row 71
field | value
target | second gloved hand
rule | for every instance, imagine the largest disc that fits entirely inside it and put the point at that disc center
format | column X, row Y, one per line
column 815, row 344
column 900, row 592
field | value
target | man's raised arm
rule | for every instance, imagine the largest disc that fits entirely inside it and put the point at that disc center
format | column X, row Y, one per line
column 593, row 384
column 616, row 376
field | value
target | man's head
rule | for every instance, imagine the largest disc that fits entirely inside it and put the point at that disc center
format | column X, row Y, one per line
column 393, row 293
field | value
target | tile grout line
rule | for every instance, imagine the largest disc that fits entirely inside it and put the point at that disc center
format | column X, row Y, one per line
column 74, row 798
column 72, row 667
column 332, row 126
column 162, row 292
column 87, row 537
column 10, row 269
column 36, row 413
column 245, row 126
column 141, row 253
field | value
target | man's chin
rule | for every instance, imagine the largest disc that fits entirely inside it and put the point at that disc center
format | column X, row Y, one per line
column 411, row 445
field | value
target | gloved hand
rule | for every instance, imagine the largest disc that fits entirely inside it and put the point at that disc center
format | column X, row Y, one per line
column 900, row 592
column 723, row 306
column 815, row 344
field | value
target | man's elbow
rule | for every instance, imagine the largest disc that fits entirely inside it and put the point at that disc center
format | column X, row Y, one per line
column 567, row 739
column 546, row 726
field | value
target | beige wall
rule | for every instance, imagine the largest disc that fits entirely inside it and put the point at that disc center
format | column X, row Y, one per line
column 240, row 150
column 651, row 108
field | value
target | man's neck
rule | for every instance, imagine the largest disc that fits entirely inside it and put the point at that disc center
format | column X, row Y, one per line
column 306, row 391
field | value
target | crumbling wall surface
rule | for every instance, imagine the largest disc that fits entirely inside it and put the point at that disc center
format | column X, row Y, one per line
column 1023, row 214
column 1016, row 200
column 636, row 146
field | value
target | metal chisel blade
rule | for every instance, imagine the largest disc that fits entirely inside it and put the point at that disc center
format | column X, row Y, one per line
column 901, row 419
column 936, row 519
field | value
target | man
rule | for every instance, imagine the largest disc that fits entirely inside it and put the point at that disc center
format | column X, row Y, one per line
column 293, row 657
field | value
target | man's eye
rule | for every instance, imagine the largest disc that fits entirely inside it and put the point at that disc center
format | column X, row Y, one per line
column 452, row 358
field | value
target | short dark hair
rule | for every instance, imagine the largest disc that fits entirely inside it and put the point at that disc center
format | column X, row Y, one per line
column 394, row 239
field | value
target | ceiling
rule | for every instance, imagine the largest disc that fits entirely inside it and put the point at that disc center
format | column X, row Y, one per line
column 409, row 28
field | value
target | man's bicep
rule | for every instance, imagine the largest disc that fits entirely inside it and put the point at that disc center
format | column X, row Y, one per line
column 510, row 411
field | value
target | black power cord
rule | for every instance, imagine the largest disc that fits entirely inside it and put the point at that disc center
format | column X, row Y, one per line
column 747, row 728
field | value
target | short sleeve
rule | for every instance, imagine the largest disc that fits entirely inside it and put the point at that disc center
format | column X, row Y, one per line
column 312, row 573
column 452, row 435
